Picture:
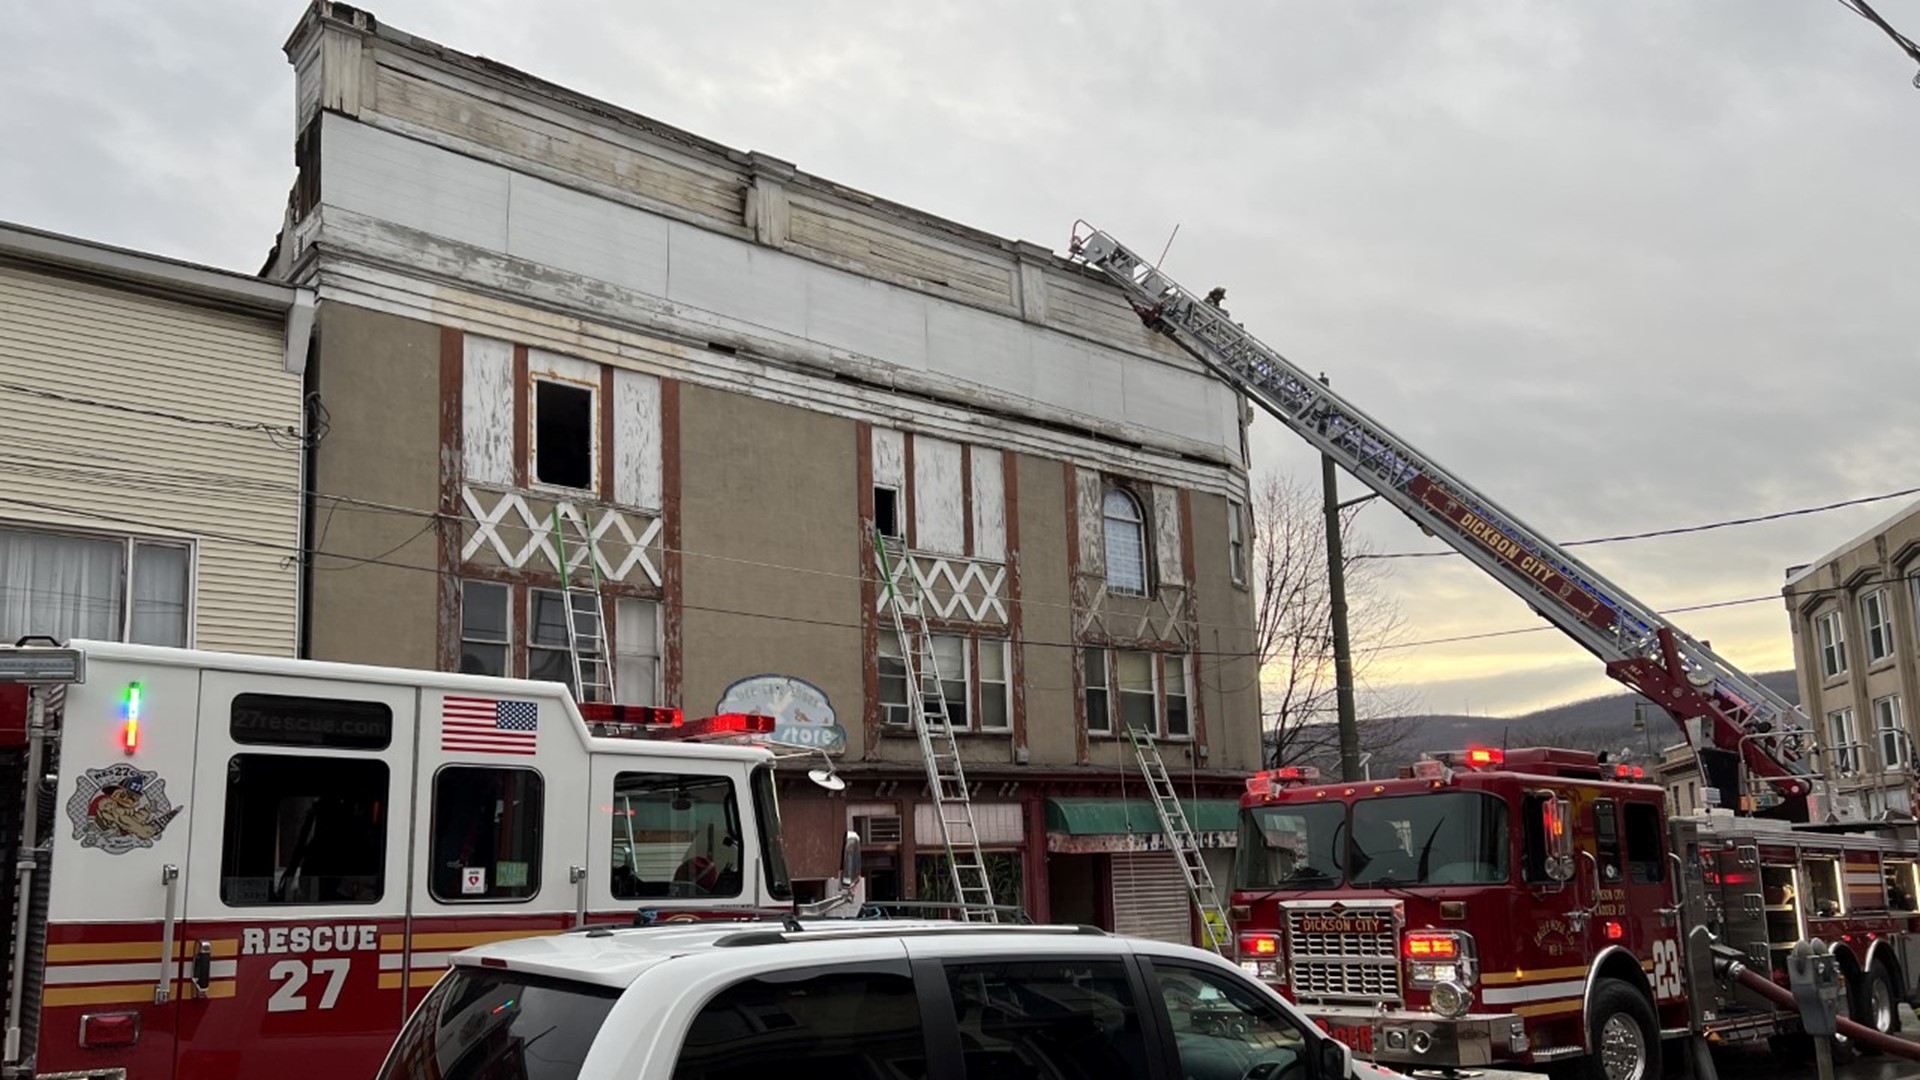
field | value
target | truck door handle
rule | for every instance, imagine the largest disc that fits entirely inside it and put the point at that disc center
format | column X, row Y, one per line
column 202, row 966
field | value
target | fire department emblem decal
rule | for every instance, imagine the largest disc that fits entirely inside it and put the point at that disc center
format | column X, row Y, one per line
column 120, row 808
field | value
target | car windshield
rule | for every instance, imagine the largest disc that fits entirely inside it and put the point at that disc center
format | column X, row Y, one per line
column 489, row 1024
column 1446, row 838
column 1292, row 847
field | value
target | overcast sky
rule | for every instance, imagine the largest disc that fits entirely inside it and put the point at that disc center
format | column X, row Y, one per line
column 1623, row 266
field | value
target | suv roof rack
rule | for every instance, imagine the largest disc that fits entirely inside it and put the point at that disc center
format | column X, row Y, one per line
column 861, row 928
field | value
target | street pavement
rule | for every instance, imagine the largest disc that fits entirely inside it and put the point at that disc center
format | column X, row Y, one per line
column 1755, row 1060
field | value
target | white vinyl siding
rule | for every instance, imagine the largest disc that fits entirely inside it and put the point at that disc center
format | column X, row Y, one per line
column 233, row 495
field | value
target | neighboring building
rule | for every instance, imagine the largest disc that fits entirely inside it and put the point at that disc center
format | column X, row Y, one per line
column 1679, row 772
column 1856, row 648
column 543, row 313
column 151, row 444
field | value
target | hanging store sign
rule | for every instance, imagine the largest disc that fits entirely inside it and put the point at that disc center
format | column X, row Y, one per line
column 802, row 714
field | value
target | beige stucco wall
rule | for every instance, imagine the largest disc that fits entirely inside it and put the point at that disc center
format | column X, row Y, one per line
column 1227, row 676
column 379, row 377
column 768, row 523
column 1052, row 714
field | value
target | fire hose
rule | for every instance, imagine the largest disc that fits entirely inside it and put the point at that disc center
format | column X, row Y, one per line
column 1781, row 996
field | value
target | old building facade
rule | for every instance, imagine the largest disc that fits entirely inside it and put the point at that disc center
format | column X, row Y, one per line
column 1856, row 648
column 150, row 467
column 558, row 337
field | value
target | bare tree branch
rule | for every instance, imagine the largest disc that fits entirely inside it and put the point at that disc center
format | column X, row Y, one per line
column 1293, row 629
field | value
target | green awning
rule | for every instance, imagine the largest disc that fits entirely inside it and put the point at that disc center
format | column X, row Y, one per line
column 1111, row 817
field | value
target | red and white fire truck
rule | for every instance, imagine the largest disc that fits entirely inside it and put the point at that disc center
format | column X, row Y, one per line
column 1538, row 906
column 1530, row 907
column 238, row 867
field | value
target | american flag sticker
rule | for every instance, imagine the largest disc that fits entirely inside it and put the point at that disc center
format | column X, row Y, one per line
column 478, row 725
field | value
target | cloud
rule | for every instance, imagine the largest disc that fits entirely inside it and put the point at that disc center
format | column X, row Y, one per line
column 1622, row 266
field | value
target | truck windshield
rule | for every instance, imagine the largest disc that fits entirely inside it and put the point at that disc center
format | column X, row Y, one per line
column 1447, row 838
column 483, row 1024
column 1293, row 847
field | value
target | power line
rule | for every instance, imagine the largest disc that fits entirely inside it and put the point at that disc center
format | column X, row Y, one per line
column 1865, row 11
column 1682, row 530
column 274, row 432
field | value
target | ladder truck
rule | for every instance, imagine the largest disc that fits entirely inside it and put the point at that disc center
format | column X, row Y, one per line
column 1539, row 907
column 1730, row 717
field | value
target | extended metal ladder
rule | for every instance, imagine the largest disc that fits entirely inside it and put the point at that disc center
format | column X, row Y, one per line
column 1639, row 646
column 1186, row 847
column 586, row 616
column 927, row 703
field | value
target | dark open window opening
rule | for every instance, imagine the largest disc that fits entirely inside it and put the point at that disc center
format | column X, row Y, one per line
column 886, row 512
column 563, row 434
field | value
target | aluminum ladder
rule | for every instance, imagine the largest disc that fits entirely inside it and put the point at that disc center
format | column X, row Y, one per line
column 586, row 613
column 927, row 703
column 1214, row 929
column 1640, row 647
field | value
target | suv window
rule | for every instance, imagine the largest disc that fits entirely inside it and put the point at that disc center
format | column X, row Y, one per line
column 1222, row 1030
column 853, row 1024
column 1048, row 1020
column 482, row 1024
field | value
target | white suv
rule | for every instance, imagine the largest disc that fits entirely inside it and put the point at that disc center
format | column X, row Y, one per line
column 856, row 1000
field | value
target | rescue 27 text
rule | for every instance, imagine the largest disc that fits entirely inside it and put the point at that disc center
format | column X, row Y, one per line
column 301, row 939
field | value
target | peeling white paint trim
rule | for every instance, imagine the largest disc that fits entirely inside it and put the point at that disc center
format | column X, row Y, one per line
column 366, row 285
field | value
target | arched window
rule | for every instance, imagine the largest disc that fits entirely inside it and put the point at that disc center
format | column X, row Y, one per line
column 1126, row 529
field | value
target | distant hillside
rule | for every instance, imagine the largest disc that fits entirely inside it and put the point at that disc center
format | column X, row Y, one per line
column 1600, row 723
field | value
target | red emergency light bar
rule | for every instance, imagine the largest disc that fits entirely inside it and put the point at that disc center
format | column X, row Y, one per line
column 601, row 712
column 1629, row 772
column 1269, row 780
column 729, row 725
column 1481, row 757
column 653, row 722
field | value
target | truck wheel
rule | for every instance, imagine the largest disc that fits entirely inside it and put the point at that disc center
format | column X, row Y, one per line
column 1874, row 1005
column 1623, row 1036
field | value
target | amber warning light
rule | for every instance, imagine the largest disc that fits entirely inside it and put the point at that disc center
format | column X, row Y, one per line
column 1482, row 757
column 1259, row 944
column 1432, row 946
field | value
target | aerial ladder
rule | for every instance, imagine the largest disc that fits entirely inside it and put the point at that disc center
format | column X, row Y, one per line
column 939, row 748
column 1730, row 718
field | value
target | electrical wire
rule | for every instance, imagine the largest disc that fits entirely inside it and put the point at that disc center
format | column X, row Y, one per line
column 224, row 483
column 1865, row 11
column 274, row 432
column 1220, row 656
column 1682, row 530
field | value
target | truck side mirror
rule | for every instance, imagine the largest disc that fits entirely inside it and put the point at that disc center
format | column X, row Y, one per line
column 1557, row 817
column 850, row 862
column 1332, row 1060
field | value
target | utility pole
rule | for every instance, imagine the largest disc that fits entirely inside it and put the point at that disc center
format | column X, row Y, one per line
column 1337, row 595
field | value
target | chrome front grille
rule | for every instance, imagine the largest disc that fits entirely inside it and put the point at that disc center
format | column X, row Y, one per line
column 1330, row 960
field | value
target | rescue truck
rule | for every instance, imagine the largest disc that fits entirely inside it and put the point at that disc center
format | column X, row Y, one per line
column 1535, row 907
column 240, row 867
